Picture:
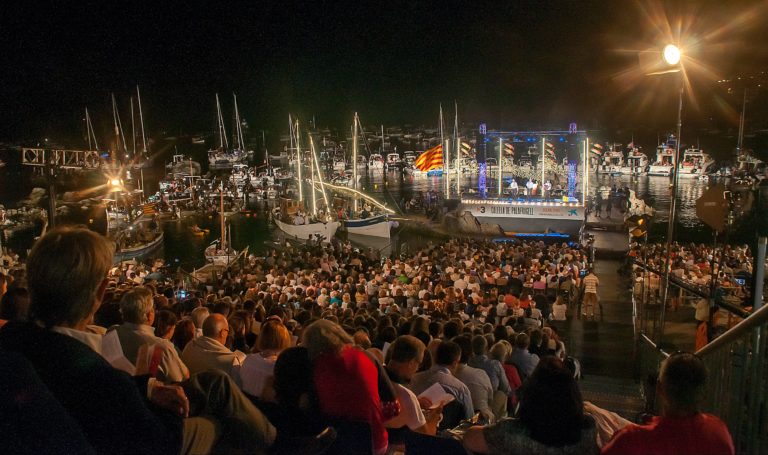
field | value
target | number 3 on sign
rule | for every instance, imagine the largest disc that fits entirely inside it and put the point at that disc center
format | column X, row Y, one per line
column 482, row 209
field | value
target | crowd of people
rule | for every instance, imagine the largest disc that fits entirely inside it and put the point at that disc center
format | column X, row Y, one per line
column 319, row 348
column 695, row 265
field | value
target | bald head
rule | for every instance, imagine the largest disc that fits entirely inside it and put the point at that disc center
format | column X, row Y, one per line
column 215, row 326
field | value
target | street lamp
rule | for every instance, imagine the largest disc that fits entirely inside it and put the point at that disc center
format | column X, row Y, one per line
column 672, row 55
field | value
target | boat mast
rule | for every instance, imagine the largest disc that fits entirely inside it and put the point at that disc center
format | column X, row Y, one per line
column 741, row 125
column 312, row 174
column 238, row 127
column 354, row 157
column 133, row 130
column 90, row 131
column 141, row 121
column 445, row 156
column 458, row 147
column 319, row 175
column 299, row 160
column 221, row 217
column 223, row 142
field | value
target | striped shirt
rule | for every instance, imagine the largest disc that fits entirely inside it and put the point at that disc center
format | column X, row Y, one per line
column 590, row 284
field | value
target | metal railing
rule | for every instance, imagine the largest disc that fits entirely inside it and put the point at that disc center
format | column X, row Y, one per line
column 737, row 389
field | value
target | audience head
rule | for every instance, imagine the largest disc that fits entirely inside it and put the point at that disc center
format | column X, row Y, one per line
column 216, row 326
column 138, row 306
column 479, row 345
column 522, row 341
column 66, row 275
column 448, row 355
column 165, row 324
column 274, row 337
column 324, row 337
column 199, row 315
column 681, row 383
column 183, row 334
column 14, row 305
column 551, row 407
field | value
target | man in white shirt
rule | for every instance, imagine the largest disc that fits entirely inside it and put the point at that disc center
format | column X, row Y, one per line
column 406, row 354
column 208, row 352
column 136, row 331
column 590, row 294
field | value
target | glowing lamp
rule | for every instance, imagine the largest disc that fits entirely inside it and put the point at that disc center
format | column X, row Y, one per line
column 672, row 54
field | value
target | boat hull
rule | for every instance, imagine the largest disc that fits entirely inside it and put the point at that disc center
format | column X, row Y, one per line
column 308, row 231
column 527, row 217
column 133, row 253
column 660, row 171
column 377, row 226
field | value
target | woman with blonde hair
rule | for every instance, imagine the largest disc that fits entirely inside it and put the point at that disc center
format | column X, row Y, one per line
column 257, row 372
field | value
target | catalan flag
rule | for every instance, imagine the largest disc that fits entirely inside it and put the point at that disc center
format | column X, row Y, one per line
column 431, row 159
column 149, row 209
column 509, row 148
column 550, row 147
column 597, row 149
column 465, row 147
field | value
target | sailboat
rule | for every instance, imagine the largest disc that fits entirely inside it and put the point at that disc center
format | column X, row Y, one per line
column 223, row 157
column 220, row 252
column 291, row 218
column 366, row 224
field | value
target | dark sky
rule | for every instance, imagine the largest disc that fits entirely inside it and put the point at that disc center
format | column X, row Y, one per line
column 510, row 63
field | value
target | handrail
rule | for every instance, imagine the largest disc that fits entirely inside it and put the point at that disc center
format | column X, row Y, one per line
column 645, row 338
column 756, row 319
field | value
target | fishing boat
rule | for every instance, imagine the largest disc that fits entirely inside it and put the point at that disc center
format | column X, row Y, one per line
column 695, row 162
column 141, row 237
column 665, row 159
column 221, row 252
column 374, row 226
column 376, row 163
column 636, row 163
column 613, row 161
column 394, row 162
column 292, row 220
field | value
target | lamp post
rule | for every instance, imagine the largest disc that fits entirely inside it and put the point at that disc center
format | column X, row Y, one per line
column 672, row 56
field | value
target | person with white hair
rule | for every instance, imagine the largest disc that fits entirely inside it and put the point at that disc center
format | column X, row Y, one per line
column 138, row 310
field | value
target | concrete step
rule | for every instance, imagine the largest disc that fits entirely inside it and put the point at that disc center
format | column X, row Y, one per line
column 619, row 395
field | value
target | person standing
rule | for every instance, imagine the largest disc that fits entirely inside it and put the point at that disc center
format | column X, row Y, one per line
column 599, row 205
column 590, row 294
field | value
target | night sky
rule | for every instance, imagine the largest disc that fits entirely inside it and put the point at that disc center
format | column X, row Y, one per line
column 513, row 64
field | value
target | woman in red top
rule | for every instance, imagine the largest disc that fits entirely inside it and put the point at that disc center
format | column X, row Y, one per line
column 346, row 379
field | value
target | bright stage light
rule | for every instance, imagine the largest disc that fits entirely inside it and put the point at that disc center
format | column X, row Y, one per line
column 672, row 54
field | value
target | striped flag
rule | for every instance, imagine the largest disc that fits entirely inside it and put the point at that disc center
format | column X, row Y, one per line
column 509, row 149
column 465, row 147
column 597, row 149
column 550, row 147
column 430, row 159
column 149, row 209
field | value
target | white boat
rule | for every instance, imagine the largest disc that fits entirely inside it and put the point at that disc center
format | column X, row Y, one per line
column 636, row 163
column 376, row 162
column 339, row 164
column 223, row 157
column 375, row 226
column 613, row 161
column 695, row 163
column 182, row 164
column 362, row 163
column 309, row 231
column 393, row 161
column 141, row 237
column 665, row 157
